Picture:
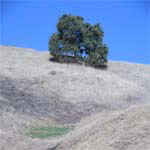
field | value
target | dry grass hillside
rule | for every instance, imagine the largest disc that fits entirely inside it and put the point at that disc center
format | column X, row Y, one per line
column 109, row 109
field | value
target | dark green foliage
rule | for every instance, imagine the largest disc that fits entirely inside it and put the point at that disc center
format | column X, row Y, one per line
column 76, row 41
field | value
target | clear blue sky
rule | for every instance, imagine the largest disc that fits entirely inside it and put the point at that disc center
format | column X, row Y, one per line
column 30, row 23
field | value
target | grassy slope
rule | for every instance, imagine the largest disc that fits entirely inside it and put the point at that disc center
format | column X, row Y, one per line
column 123, row 130
column 32, row 86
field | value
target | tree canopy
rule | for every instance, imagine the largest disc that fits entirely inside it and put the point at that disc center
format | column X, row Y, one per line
column 76, row 41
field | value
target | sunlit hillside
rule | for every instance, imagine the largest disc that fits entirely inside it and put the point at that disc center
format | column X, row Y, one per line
column 108, row 109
